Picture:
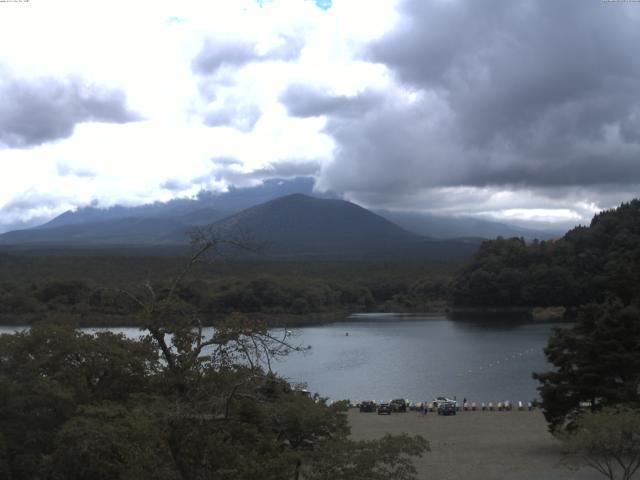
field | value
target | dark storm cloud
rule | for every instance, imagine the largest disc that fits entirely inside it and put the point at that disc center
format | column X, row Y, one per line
column 216, row 54
column 36, row 111
column 305, row 101
column 506, row 93
column 514, row 68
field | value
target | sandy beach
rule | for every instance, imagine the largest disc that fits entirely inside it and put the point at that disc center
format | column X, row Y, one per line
column 477, row 445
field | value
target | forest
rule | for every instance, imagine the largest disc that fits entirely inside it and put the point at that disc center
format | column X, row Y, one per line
column 91, row 290
column 589, row 264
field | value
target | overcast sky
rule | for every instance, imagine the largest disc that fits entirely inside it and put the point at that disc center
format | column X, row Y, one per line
column 505, row 109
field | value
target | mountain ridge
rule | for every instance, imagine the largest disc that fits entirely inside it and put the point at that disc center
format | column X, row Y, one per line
column 295, row 225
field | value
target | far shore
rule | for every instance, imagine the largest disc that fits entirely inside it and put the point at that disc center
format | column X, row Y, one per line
column 538, row 314
column 513, row 445
column 291, row 320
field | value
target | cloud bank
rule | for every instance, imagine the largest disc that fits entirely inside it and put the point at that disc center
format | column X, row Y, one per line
column 40, row 110
column 498, row 96
column 519, row 110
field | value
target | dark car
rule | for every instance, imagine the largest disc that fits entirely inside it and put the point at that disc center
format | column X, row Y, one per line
column 384, row 408
column 399, row 405
column 367, row 406
column 446, row 408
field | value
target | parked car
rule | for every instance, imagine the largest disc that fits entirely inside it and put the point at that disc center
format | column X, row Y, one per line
column 438, row 400
column 399, row 405
column 384, row 408
column 446, row 408
column 367, row 406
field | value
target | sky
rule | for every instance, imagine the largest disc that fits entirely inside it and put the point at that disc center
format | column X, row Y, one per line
column 525, row 111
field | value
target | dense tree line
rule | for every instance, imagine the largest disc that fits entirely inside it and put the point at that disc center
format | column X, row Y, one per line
column 589, row 264
column 597, row 364
column 87, row 302
column 595, row 272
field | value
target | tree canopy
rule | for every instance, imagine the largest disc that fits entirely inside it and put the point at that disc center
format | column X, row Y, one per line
column 607, row 441
column 595, row 272
column 597, row 364
column 589, row 264
column 180, row 403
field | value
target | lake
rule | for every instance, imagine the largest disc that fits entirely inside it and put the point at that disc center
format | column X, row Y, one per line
column 387, row 356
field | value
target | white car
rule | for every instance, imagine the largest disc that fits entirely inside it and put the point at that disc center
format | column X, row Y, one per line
column 438, row 400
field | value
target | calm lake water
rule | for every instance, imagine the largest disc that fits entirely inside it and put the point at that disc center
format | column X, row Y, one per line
column 416, row 357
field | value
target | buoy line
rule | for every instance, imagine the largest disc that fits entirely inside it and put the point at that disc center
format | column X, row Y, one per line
column 497, row 362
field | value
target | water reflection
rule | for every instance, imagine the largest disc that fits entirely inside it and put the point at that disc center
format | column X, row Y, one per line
column 419, row 357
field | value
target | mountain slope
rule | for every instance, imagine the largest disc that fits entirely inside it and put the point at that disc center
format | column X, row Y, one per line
column 120, row 231
column 222, row 203
column 296, row 225
column 453, row 227
column 302, row 222
column 302, row 226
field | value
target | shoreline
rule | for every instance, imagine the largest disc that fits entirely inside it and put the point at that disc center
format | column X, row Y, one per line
column 284, row 320
column 537, row 314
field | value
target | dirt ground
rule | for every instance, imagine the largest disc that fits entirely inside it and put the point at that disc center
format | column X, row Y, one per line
column 512, row 445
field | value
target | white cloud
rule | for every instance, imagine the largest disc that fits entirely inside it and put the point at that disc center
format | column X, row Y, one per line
column 146, row 50
column 418, row 145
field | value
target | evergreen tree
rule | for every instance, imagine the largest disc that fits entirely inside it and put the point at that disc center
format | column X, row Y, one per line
column 597, row 364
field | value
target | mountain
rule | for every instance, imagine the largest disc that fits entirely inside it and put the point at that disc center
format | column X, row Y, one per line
column 307, row 223
column 454, row 227
column 303, row 226
column 118, row 231
column 294, row 225
column 207, row 207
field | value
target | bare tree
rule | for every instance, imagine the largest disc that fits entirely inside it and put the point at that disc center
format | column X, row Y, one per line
column 176, row 328
column 607, row 441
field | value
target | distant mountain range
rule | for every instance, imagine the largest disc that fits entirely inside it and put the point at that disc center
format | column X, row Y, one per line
column 207, row 207
column 281, row 214
column 456, row 227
